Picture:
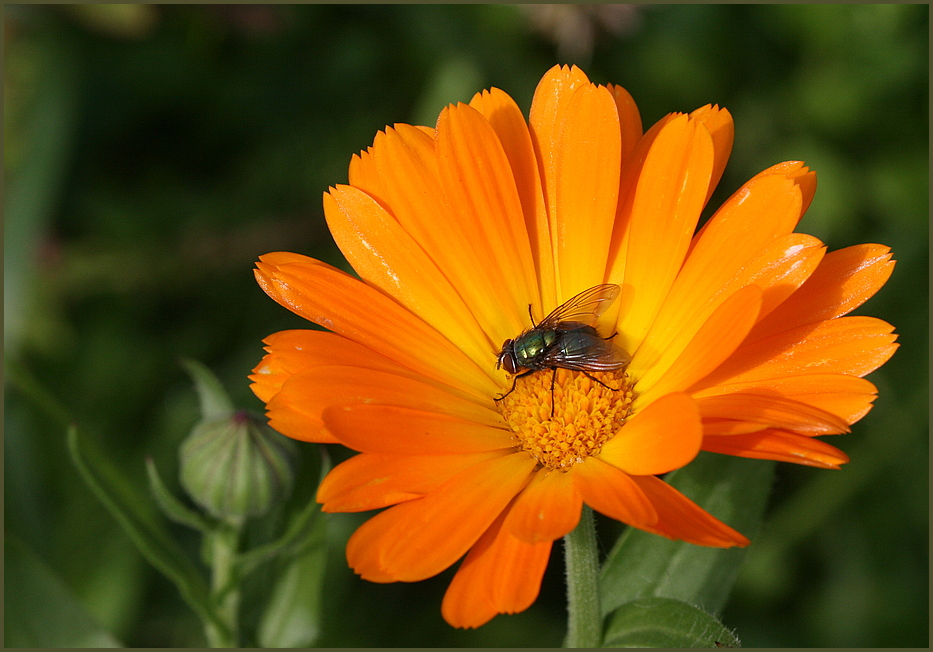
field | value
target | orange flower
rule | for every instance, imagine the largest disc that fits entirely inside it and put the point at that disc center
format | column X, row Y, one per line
column 736, row 335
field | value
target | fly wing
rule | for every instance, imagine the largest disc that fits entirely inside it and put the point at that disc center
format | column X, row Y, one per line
column 584, row 308
column 582, row 351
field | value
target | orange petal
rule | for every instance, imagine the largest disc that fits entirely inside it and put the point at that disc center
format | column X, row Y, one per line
column 397, row 170
column 297, row 409
column 507, row 121
column 628, row 180
column 337, row 301
column 292, row 421
column 369, row 481
column 363, row 174
column 759, row 190
column 668, row 198
column 741, row 232
column 785, row 266
column 409, row 171
column 420, row 538
column 778, row 445
column 367, row 171
column 588, row 160
column 772, row 411
column 396, row 430
column 778, row 269
column 613, row 492
column 847, row 397
column 844, row 280
column 730, row 427
column 545, row 121
column 681, row 519
column 806, row 179
column 547, row 509
column 682, row 363
column 387, row 257
column 846, row 345
column 721, row 128
column 295, row 351
column 496, row 276
column 662, row 437
column 501, row 574
column 629, row 120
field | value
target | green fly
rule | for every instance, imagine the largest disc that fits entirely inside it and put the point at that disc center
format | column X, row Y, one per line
column 567, row 339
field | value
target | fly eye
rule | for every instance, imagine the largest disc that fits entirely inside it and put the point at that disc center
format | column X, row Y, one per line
column 504, row 355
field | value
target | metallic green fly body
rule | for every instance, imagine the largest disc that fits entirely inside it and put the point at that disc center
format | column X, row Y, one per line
column 566, row 339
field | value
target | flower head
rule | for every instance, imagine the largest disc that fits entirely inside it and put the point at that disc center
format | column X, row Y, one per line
column 465, row 236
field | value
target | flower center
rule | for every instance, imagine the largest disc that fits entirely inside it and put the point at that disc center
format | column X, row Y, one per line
column 586, row 414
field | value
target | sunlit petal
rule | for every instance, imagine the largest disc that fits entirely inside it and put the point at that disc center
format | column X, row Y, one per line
column 547, row 509
column 476, row 178
column 693, row 524
column 671, row 189
column 398, row 430
column 372, row 481
column 501, row 574
column 386, row 256
column 843, row 281
column 614, row 493
column 507, row 121
column 778, row 445
column 333, row 299
column 297, row 409
column 664, row 436
column 589, row 155
column 682, row 363
column 847, row 345
column 422, row 537
column 772, row 411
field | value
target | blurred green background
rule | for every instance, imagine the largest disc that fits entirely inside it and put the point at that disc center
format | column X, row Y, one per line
column 153, row 152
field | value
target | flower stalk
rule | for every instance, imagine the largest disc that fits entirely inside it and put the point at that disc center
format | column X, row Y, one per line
column 584, row 623
column 225, row 586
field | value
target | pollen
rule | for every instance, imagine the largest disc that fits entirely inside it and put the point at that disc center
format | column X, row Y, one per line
column 586, row 413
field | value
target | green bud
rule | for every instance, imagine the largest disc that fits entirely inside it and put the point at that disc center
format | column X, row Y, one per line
column 237, row 467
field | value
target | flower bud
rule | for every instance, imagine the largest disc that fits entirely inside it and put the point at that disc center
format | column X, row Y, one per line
column 236, row 466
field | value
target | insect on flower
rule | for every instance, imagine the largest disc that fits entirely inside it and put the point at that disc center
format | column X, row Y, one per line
column 566, row 338
column 738, row 334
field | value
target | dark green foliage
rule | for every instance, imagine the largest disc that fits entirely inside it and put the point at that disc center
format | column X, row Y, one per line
column 152, row 155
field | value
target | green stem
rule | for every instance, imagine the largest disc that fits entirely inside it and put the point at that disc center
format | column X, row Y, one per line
column 584, row 623
column 225, row 589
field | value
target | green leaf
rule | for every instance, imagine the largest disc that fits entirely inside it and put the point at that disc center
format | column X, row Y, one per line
column 300, row 535
column 293, row 615
column 642, row 565
column 40, row 611
column 39, row 149
column 666, row 623
column 215, row 402
column 142, row 523
column 171, row 506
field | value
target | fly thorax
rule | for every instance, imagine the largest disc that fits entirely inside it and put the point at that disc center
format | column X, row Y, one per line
column 588, row 410
column 530, row 345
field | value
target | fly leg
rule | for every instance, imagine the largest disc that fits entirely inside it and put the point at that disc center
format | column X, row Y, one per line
column 531, row 317
column 514, row 380
column 553, row 378
column 614, row 389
